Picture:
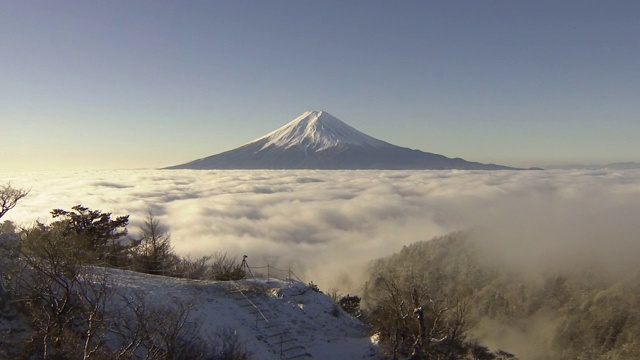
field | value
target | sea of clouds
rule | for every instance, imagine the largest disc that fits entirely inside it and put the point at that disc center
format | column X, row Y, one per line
column 326, row 225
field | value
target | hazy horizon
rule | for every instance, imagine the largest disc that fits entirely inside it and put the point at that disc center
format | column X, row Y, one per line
column 112, row 85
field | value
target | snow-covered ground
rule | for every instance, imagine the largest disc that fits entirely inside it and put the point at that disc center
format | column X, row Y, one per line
column 274, row 319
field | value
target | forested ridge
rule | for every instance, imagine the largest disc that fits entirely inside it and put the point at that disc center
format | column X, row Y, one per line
column 586, row 313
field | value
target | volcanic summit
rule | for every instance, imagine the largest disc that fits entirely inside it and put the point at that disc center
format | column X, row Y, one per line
column 318, row 140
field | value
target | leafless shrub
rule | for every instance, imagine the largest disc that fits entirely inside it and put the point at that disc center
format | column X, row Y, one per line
column 156, row 331
column 218, row 266
column 46, row 284
column 190, row 268
column 334, row 294
column 10, row 197
column 225, row 268
column 227, row 345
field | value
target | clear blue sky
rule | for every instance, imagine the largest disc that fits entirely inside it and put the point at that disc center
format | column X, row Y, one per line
column 130, row 84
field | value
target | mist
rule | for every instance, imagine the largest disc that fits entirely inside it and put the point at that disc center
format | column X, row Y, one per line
column 327, row 225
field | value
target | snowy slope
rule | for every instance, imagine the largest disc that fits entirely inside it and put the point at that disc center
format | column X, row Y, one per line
column 317, row 131
column 275, row 319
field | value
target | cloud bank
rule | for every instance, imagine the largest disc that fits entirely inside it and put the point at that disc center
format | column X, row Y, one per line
column 325, row 225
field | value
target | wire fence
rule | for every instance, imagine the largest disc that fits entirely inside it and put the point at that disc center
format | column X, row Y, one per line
column 200, row 269
column 268, row 272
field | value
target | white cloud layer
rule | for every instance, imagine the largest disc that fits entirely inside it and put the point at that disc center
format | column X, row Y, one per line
column 326, row 224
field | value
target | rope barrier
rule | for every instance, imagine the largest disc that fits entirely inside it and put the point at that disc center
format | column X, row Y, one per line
column 270, row 269
column 271, row 272
column 254, row 305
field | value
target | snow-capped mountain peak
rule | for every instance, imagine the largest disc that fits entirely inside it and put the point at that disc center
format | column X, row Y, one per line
column 317, row 131
column 318, row 140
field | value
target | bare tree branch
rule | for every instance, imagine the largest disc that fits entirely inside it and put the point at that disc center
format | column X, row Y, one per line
column 9, row 197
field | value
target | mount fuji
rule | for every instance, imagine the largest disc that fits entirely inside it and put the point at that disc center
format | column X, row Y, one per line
column 318, row 140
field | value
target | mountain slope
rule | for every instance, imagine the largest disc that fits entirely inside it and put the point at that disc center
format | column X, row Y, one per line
column 272, row 319
column 318, row 140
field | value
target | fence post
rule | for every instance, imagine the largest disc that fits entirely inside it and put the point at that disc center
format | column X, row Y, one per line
column 290, row 280
column 268, row 271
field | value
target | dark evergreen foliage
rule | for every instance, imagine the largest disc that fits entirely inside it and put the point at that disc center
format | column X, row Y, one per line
column 100, row 235
column 351, row 304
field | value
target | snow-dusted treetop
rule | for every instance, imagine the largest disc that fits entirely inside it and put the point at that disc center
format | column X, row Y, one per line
column 317, row 131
